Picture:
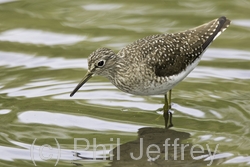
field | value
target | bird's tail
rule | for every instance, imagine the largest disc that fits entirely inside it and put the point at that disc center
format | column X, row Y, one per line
column 212, row 30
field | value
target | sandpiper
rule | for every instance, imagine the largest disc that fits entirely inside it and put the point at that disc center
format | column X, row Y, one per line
column 155, row 64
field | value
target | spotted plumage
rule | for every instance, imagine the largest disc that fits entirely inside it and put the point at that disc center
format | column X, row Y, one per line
column 155, row 64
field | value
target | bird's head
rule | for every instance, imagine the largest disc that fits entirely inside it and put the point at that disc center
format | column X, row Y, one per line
column 100, row 62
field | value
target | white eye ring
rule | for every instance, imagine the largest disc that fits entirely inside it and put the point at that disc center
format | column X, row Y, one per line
column 101, row 63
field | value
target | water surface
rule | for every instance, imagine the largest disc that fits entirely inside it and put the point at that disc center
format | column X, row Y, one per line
column 44, row 47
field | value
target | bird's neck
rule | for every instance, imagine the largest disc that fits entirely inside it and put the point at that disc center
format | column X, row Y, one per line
column 119, row 69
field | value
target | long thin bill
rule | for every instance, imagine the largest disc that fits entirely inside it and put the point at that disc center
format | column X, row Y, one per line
column 83, row 81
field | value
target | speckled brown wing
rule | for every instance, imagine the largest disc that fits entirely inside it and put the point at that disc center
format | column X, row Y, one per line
column 169, row 54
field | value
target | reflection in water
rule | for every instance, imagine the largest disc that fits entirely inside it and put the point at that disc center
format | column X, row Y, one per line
column 154, row 137
column 161, row 147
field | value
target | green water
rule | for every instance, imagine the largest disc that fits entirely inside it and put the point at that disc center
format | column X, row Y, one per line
column 44, row 47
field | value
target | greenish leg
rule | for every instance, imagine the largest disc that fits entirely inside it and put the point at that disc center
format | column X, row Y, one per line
column 167, row 106
column 165, row 111
column 169, row 98
column 170, row 106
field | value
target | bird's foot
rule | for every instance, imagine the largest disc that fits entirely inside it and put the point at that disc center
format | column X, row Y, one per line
column 168, row 118
column 170, row 107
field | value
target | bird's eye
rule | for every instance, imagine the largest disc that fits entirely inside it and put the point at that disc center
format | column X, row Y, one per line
column 100, row 63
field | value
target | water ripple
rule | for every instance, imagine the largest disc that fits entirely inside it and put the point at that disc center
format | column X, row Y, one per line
column 12, row 59
column 228, row 74
column 6, row 1
column 94, row 7
column 229, row 54
column 39, row 37
column 4, row 111
column 66, row 120
column 238, row 160
column 244, row 23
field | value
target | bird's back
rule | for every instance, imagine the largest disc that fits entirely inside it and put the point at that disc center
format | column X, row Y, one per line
column 161, row 61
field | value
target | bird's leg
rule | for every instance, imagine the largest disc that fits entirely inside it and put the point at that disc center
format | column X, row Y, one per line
column 170, row 120
column 165, row 111
column 169, row 98
column 170, row 106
